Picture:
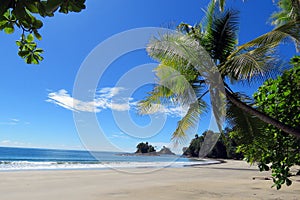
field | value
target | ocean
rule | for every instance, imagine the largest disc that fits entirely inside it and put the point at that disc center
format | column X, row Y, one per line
column 12, row 159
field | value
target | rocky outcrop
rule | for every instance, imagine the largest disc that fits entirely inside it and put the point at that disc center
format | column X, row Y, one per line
column 165, row 151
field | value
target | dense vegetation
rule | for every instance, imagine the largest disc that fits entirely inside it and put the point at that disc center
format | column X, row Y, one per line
column 196, row 60
column 186, row 72
column 145, row 148
column 272, row 148
column 225, row 147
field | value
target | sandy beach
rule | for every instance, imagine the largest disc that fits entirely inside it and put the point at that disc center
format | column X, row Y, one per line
column 230, row 180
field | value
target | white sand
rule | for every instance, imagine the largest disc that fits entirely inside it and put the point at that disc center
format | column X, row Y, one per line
column 231, row 180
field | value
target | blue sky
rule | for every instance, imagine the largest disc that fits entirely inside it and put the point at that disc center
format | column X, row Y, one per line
column 36, row 101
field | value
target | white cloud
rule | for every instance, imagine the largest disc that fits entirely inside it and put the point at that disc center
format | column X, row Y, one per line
column 175, row 111
column 63, row 99
column 108, row 98
column 105, row 99
column 109, row 92
column 119, row 107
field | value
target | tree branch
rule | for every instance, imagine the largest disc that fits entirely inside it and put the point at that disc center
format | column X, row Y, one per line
column 262, row 116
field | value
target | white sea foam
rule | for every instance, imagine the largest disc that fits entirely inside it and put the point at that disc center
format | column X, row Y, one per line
column 29, row 165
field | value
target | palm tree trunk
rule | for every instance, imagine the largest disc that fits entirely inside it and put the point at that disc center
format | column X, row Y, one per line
column 262, row 116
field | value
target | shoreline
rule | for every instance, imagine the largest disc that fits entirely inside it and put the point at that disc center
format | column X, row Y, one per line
column 100, row 165
column 229, row 180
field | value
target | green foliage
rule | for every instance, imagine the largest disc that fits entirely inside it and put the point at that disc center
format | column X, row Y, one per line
column 182, row 56
column 28, row 50
column 194, row 148
column 22, row 14
column 215, row 40
column 289, row 10
column 224, row 148
column 203, row 48
column 144, row 148
column 272, row 148
column 219, row 150
column 223, row 35
column 244, row 126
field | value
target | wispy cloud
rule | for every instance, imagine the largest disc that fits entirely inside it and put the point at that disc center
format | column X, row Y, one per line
column 3, row 142
column 175, row 111
column 63, row 99
column 12, row 122
column 9, row 143
column 172, row 111
column 119, row 135
column 107, row 98
column 21, row 144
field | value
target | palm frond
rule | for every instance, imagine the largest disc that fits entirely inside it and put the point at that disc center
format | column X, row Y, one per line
column 188, row 53
column 160, row 95
column 222, row 37
column 182, row 48
column 289, row 11
column 178, row 84
column 182, row 67
column 173, row 91
column 189, row 121
column 288, row 31
column 246, row 65
column 184, row 28
column 222, row 4
column 208, row 18
column 193, row 31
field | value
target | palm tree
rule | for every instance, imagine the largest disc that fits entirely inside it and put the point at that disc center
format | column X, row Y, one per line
column 185, row 63
column 289, row 11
